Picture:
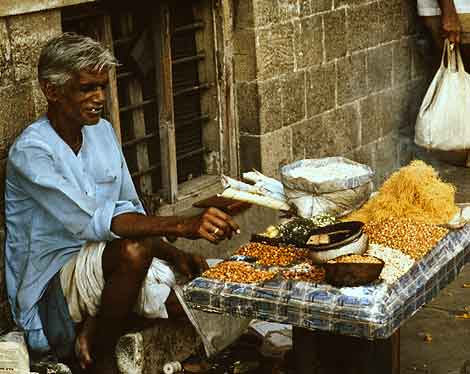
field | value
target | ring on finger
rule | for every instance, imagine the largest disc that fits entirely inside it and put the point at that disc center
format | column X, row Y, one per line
column 216, row 231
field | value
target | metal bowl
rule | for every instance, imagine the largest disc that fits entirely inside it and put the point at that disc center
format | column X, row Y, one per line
column 357, row 247
column 343, row 274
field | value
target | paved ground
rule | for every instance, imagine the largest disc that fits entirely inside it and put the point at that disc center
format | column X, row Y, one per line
column 450, row 345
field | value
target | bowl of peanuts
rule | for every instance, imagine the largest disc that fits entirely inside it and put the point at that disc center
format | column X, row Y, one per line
column 353, row 270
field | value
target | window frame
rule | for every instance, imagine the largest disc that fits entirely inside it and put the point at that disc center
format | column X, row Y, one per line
column 177, row 197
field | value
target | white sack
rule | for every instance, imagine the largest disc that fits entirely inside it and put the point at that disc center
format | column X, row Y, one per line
column 337, row 196
column 443, row 121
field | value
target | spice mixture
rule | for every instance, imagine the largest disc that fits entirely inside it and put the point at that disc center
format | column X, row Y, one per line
column 305, row 272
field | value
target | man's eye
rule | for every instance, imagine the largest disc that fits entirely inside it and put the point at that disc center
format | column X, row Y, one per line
column 91, row 88
column 87, row 88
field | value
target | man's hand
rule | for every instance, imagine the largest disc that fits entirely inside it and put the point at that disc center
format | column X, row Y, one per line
column 451, row 26
column 189, row 265
column 212, row 225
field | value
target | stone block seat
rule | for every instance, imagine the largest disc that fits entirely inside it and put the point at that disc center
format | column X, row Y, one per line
column 146, row 350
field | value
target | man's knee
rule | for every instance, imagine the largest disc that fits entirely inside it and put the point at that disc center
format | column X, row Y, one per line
column 134, row 256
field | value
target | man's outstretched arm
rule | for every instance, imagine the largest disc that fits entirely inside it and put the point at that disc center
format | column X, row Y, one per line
column 212, row 225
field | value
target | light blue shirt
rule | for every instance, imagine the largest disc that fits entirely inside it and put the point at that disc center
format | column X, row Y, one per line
column 55, row 201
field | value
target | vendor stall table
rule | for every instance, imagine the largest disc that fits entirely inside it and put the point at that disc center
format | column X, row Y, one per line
column 341, row 330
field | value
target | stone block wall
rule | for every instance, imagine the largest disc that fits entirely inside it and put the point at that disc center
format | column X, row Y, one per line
column 21, row 101
column 318, row 78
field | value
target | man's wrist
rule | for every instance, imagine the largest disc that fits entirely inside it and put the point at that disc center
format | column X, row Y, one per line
column 447, row 7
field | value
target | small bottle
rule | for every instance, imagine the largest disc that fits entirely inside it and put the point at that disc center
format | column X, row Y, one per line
column 172, row 367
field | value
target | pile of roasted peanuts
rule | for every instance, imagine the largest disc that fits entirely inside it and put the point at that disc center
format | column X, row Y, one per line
column 355, row 259
column 412, row 238
column 269, row 255
column 234, row 271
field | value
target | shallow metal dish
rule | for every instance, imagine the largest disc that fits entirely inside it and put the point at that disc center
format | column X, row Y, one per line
column 340, row 235
column 356, row 247
column 343, row 274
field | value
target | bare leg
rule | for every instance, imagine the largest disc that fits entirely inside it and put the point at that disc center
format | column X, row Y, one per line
column 84, row 342
column 125, row 265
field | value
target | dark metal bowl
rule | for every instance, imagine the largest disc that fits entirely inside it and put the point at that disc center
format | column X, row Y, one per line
column 352, row 274
column 340, row 234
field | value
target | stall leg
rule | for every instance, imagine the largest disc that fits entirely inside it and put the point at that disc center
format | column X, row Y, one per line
column 323, row 353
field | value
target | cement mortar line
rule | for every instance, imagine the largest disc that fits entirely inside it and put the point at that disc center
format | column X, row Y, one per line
column 335, row 60
column 322, row 13
column 337, row 107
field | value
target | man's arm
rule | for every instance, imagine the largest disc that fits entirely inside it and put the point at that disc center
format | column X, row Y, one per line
column 450, row 22
column 213, row 225
column 34, row 171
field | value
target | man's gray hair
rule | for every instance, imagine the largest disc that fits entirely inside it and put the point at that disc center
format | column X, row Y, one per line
column 68, row 54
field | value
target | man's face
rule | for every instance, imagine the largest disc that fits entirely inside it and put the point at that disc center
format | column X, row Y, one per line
column 80, row 102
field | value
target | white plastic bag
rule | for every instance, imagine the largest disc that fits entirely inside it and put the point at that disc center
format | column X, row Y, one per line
column 155, row 290
column 14, row 357
column 443, row 121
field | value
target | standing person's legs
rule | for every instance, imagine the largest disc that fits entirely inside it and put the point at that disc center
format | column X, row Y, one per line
column 433, row 25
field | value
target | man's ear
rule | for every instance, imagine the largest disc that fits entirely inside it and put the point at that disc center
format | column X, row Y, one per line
column 51, row 91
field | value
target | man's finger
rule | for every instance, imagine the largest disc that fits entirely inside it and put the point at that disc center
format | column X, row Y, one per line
column 199, row 265
column 222, row 227
column 185, row 269
column 209, row 235
column 225, row 217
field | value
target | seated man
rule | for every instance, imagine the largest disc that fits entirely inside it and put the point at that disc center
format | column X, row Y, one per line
column 78, row 244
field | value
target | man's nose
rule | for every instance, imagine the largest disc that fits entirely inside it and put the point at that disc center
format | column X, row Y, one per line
column 100, row 95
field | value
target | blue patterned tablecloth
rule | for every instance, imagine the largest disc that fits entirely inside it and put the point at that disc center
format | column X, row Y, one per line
column 375, row 311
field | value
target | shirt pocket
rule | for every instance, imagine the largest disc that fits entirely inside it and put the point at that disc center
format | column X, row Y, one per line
column 107, row 188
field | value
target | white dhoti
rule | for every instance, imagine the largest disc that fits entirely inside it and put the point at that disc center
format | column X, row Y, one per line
column 82, row 283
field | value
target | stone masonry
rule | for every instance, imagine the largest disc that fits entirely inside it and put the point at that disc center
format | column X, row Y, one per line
column 318, row 78
column 21, row 101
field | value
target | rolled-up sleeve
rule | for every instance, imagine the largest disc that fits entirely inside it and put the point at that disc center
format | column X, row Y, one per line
column 128, row 199
column 38, row 175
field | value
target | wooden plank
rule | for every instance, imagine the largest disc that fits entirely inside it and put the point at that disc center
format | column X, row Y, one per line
column 229, row 206
column 112, row 101
column 138, row 118
column 15, row 7
column 223, row 15
column 321, row 352
column 211, row 131
column 99, row 28
column 164, row 76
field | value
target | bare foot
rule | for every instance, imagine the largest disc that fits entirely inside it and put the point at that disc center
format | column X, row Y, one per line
column 84, row 342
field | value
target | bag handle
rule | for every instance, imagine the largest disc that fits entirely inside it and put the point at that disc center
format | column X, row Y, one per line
column 445, row 52
column 454, row 57
column 460, row 65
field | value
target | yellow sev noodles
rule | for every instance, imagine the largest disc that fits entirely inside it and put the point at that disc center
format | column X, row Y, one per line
column 416, row 192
